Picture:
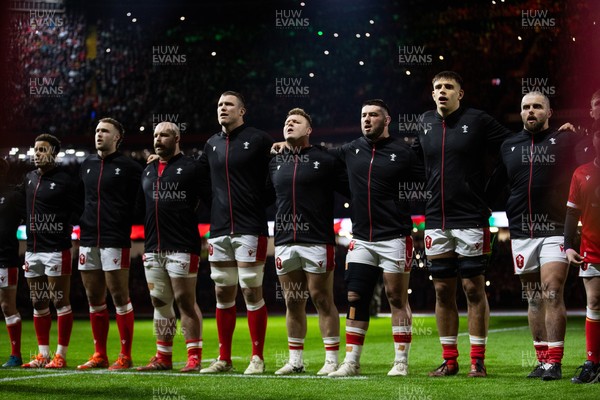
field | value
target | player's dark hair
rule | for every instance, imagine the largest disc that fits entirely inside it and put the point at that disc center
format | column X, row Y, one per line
column 117, row 125
column 236, row 94
column 53, row 140
column 448, row 75
column 377, row 102
column 299, row 111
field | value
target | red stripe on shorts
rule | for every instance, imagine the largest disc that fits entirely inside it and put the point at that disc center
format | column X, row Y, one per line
column 125, row 259
column 408, row 253
column 330, row 257
column 261, row 248
column 194, row 262
column 66, row 262
column 486, row 241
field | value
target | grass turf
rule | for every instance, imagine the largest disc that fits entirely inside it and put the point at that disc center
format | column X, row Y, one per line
column 510, row 357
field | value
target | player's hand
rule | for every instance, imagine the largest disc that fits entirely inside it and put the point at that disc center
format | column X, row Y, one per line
column 278, row 147
column 151, row 158
column 574, row 257
column 567, row 127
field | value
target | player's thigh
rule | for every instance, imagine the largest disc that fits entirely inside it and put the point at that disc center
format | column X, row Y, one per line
column 94, row 284
column 592, row 292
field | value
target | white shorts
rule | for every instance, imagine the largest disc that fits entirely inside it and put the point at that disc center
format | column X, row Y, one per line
column 8, row 277
column 104, row 258
column 589, row 270
column 466, row 242
column 245, row 248
column 529, row 254
column 313, row 258
column 57, row 263
column 178, row 265
column 393, row 256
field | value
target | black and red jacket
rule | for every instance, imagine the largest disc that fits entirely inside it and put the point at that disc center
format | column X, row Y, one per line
column 376, row 173
column 12, row 212
column 238, row 164
column 171, row 200
column 455, row 151
column 54, row 203
column 304, row 183
column 111, row 189
column 539, row 168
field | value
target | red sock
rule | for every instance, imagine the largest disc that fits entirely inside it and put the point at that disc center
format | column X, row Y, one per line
column 125, row 325
column 257, row 322
column 164, row 350
column 225, row 326
column 450, row 353
column 541, row 352
column 555, row 352
column 193, row 348
column 14, row 334
column 65, row 325
column 477, row 352
column 42, row 324
column 592, row 339
column 99, row 321
column 355, row 338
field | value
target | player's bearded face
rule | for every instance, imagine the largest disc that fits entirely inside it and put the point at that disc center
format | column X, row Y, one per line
column 535, row 112
column 164, row 144
column 373, row 122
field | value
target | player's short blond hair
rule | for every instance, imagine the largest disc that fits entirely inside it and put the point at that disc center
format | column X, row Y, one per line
column 299, row 111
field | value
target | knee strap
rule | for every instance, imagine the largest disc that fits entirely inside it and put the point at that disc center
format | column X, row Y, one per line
column 361, row 279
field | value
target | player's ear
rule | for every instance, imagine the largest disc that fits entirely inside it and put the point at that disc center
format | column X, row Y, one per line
column 461, row 93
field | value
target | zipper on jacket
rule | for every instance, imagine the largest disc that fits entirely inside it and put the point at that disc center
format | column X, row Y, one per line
column 156, row 194
column 98, row 210
column 34, row 231
column 294, row 195
column 442, row 173
column 231, row 228
column 529, row 187
column 369, row 194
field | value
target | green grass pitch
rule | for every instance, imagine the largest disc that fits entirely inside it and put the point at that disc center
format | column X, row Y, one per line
column 510, row 357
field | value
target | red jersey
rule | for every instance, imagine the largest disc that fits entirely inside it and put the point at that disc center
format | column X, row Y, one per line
column 584, row 195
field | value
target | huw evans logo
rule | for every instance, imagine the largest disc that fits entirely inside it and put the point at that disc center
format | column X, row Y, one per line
column 168, row 55
column 290, row 19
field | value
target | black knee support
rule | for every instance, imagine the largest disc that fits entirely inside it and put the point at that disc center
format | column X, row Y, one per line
column 442, row 268
column 470, row 267
column 361, row 279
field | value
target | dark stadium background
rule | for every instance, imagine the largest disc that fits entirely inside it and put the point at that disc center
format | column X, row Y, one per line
column 490, row 43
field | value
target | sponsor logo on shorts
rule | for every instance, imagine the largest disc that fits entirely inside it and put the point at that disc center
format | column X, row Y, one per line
column 250, row 252
column 428, row 241
column 278, row 263
column 520, row 261
column 82, row 259
column 210, row 249
column 26, row 266
column 562, row 248
column 584, row 266
column 351, row 246
column 116, row 261
column 477, row 245
column 320, row 264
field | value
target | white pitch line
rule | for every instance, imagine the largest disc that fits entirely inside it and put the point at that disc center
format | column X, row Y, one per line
column 103, row 372
column 175, row 374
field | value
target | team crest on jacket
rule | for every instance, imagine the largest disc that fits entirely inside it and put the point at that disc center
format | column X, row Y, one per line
column 520, row 261
column 428, row 241
column 82, row 259
column 465, row 129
